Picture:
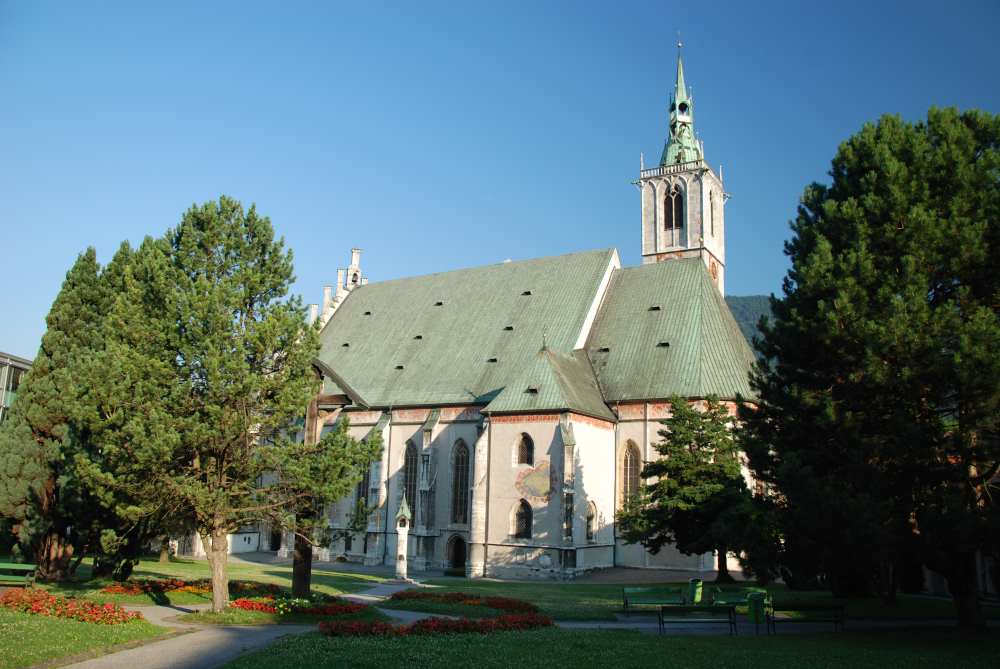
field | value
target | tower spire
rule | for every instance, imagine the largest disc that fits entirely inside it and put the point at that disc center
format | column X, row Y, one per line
column 681, row 145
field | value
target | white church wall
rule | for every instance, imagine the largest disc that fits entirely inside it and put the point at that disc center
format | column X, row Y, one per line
column 594, row 482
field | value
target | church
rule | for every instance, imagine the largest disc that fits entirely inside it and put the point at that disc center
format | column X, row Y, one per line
column 517, row 402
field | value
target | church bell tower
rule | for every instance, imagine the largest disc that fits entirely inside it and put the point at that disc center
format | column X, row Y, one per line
column 683, row 201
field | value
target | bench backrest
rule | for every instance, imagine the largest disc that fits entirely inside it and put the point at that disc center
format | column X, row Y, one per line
column 651, row 591
column 17, row 566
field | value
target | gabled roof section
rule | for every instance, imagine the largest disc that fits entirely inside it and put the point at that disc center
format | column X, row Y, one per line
column 459, row 337
column 690, row 345
column 554, row 382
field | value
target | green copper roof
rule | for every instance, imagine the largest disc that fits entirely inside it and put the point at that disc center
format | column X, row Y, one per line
column 552, row 382
column 681, row 146
column 459, row 337
column 404, row 510
column 665, row 329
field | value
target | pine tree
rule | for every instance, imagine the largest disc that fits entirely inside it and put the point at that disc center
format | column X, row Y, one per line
column 207, row 369
column 695, row 496
column 879, row 396
column 39, row 489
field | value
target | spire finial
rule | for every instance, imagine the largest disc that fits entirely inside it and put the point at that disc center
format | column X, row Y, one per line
column 680, row 44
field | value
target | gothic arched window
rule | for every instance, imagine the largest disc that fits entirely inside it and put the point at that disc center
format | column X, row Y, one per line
column 591, row 521
column 525, row 450
column 673, row 212
column 410, row 473
column 711, row 208
column 361, row 493
column 522, row 521
column 460, row 484
column 630, row 472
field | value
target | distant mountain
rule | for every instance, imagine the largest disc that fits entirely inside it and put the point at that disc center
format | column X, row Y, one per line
column 747, row 310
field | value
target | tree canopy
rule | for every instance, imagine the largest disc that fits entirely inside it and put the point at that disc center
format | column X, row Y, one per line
column 879, row 392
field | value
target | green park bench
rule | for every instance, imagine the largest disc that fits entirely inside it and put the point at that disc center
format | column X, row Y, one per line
column 651, row 596
column 23, row 574
column 698, row 613
column 805, row 613
column 734, row 596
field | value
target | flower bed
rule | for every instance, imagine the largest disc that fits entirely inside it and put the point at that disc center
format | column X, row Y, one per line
column 306, row 607
column 200, row 586
column 499, row 603
column 504, row 623
column 42, row 603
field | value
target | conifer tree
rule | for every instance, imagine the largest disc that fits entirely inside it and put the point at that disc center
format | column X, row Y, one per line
column 208, row 367
column 879, row 394
column 695, row 496
column 40, row 492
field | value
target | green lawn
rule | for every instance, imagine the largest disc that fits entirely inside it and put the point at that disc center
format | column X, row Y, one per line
column 594, row 648
column 327, row 582
column 586, row 601
column 27, row 639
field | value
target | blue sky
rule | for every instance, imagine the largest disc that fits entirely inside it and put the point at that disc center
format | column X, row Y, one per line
column 439, row 136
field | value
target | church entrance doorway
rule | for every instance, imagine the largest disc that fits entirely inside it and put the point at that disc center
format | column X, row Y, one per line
column 456, row 552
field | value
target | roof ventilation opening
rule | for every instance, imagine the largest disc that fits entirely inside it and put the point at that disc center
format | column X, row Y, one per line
column 491, row 359
column 532, row 390
column 368, row 313
column 664, row 344
column 509, row 328
column 399, row 367
column 527, row 292
column 439, row 304
column 655, row 307
column 604, row 349
column 418, row 337
column 345, row 345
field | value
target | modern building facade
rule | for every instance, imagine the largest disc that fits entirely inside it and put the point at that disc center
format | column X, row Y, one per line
column 12, row 370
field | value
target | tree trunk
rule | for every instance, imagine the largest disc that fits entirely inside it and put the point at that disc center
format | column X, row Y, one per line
column 165, row 549
column 217, row 551
column 53, row 555
column 301, row 565
column 965, row 592
column 723, row 567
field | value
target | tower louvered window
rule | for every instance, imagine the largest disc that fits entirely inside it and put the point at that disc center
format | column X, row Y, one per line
column 460, row 484
column 522, row 521
column 630, row 473
column 525, row 451
column 410, row 473
column 673, row 214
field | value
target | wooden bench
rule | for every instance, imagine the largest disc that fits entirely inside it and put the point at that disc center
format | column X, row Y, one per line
column 811, row 613
column 24, row 574
column 698, row 613
column 652, row 596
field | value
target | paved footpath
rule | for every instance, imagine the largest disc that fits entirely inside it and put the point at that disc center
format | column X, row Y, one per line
column 210, row 646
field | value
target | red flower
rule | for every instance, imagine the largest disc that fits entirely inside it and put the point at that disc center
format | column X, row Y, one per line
column 42, row 603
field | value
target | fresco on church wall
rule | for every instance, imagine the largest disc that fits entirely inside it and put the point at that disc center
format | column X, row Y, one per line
column 536, row 482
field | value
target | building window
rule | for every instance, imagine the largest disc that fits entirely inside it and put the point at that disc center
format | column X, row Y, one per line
column 361, row 492
column 410, row 473
column 673, row 210
column 711, row 213
column 525, row 450
column 460, row 484
column 630, row 472
column 522, row 520
column 591, row 521
column 568, row 516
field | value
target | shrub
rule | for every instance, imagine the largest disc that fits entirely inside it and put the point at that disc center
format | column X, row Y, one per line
column 283, row 606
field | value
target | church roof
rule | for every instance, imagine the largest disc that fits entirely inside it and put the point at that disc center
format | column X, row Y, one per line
column 664, row 329
column 554, row 381
column 459, row 337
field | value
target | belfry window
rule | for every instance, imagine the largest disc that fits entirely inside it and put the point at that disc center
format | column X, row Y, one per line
column 673, row 213
column 460, row 484
column 525, row 450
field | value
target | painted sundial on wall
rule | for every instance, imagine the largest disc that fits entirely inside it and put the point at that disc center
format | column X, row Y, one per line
column 535, row 482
